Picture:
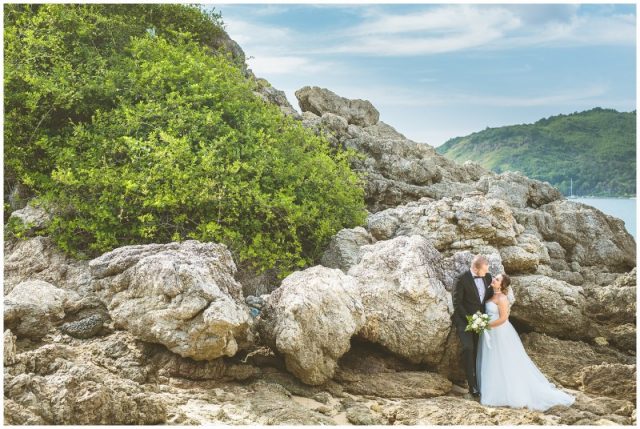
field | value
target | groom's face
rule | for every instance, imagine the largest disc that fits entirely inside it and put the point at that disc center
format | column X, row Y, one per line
column 482, row 269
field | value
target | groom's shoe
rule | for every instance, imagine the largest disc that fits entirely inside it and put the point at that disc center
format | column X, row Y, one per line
column 474, row 392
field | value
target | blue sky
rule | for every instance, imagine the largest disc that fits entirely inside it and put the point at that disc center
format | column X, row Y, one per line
column 437, row 71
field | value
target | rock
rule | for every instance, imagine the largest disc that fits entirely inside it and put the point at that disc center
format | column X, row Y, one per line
column 563, row 360
column 550, row 306
column 182, row 295
column 342, row 251
column 320, row 100
column 271, row 404
column 590, row 236
column 84, row 328
column 274, row 96
column 450, row 223
column 518, row 190
column 310, row 319
column 39, row 259
column 446, row 410
column 56, row 385
column 169, row 364
column 610, row 379
column 615, row 303
column 9, row 347
column 402, row 384
column 526, row 255
column 33, row 217
column 407, row 308
column 622, row 336
column 33, row 307
column 362, row 415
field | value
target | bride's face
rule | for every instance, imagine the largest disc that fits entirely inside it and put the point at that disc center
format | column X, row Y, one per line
column 496, row 283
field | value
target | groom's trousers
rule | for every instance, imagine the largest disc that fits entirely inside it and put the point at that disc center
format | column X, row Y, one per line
column 469, row 342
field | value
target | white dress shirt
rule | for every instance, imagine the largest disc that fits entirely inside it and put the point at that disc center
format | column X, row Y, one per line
column 480, row 286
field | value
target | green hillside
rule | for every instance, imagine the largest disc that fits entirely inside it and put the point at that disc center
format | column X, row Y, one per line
column 596, row 148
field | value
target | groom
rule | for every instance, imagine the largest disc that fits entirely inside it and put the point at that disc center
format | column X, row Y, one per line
column 472, row 290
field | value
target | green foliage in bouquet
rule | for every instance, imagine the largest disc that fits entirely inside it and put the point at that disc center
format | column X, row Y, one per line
column 477, row 322
column 165, row 141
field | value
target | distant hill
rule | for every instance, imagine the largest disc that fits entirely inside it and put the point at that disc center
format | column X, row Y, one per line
column 597, row 148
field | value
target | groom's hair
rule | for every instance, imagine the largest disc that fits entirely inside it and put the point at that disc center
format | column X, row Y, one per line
column 479, row 260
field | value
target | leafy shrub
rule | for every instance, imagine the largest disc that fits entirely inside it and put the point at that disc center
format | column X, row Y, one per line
column 190, row 151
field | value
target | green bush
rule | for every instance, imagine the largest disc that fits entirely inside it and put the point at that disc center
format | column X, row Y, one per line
column 58, row 70
column 190, row 152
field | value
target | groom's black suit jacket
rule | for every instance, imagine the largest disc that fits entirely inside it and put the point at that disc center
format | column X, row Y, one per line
column 466, row 299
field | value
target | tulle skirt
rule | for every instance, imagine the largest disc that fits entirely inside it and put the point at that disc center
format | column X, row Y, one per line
column 508, row 377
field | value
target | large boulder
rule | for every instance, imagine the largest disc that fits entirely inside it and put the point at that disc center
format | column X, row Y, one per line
column 182, row 295
column 33, row 307
column 550, row 306
column 310, row 319
column 408, row 309
column 320, row 100
column 590, row 236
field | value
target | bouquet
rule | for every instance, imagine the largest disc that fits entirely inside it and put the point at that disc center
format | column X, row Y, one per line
column 478, row 323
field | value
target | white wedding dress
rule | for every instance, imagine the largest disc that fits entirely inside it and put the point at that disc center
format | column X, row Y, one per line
column 507, row 376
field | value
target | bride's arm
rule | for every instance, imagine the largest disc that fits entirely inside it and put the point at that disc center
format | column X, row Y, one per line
column 503, row 309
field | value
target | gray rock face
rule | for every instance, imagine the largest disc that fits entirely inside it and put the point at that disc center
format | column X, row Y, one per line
column 9, row 347
column 320, row 100
column 342, row 251
column 310, row 319
column 550, row 306
column 589, row 236
column 182, row 295
column 32, row 216
column 408, row 309
column 450, row 223
column 38, row 258
column 33, row 307
column 518, row 190
column 58, row 384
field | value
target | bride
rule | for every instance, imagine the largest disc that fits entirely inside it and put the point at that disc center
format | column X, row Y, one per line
column 506, row 374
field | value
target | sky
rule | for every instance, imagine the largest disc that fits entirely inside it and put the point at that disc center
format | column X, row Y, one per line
column 438, row 71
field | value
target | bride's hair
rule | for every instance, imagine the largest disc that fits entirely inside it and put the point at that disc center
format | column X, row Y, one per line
column 504, row 284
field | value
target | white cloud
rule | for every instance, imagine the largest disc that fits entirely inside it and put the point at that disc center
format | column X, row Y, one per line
column 283, row 64
column 459, row 27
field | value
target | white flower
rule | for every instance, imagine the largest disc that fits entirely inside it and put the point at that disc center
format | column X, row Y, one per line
column 475, row 316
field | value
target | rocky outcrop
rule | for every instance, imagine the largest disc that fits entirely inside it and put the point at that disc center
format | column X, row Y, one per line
column 182, row 295
column 62, row 384
column 310, row 319
column 408, row 309
column 321, row 100
column 38, row 258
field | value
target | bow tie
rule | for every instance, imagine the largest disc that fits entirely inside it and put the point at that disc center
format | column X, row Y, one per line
column 478, row 277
